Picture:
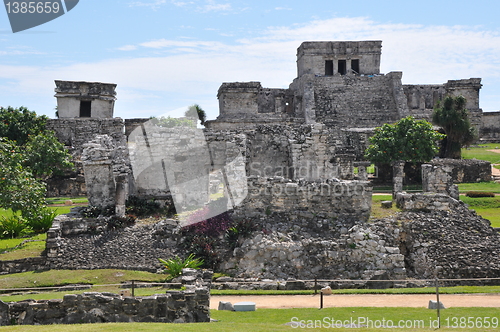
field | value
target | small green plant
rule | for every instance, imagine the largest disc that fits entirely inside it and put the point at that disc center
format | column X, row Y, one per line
column 41, row 222
column 174, row 266
column 352, row 245
column 13, row 226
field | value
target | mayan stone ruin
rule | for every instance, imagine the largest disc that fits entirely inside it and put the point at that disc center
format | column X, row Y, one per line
column 288, row 161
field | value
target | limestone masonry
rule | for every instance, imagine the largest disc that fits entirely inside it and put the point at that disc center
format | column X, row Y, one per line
column 289, row 154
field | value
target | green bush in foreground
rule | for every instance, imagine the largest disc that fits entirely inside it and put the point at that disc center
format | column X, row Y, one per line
column 479, row 194
column 174, row 266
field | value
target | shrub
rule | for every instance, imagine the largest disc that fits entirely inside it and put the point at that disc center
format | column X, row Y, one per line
column 174, row 266
column 42, row 221
column 115, row 222
column 479, row 194
column 96, row 211
column 14, row 226
column 141, row 207
column 242, row 229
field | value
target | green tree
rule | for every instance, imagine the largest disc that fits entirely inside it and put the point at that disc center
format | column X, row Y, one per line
column 196, row 111
column 43, row 154
column 453, row 117
column 19, row 189
column 18, row 124
column 407, row 140
column 46, row 156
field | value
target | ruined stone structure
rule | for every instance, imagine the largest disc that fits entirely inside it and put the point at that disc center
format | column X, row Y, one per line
column 295, row 150
column 340, row 85
column 85, row 99
column 190, row 306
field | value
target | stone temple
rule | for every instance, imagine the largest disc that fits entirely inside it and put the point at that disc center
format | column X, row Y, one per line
column 294, row 150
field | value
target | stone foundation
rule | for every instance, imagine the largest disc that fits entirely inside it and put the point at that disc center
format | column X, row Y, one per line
column 189, row 306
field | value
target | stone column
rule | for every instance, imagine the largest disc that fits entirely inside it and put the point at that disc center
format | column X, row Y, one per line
column 120, row 194
column 99, row 182
column 398, row 174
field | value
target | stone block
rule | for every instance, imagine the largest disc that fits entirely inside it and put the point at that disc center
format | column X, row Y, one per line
column 225, row 306
column 386, row 204
column 434, row 305
column 244, row 306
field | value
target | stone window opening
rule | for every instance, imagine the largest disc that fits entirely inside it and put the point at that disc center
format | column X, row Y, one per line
column 355, row 66
column 85, row 108
column 329, row 68
column 342, row 67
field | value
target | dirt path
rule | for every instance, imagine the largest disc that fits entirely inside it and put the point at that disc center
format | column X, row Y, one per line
column 369, row 300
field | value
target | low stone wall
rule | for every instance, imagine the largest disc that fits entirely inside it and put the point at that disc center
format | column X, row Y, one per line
column 490, row 128
column 23, row 265
column 426, row 202
column 466, row 170
column 174, row 307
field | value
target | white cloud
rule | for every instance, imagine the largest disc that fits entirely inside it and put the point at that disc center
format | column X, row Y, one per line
column 127, row 48
column 152, row 4
column 212, row 6
column 178, row 73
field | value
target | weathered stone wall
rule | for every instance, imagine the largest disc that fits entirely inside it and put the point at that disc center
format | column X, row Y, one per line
column 459, row 241
column 439, row 179
column 347, row 102
column 74, row 242
column 23, row 265
column 422, row 99
column 490, row 127
column 188, row 306
column 311, row 56
column 466, row 170
column 425, row 202
column 336, row 252
column 74, row 133
column 332, row 198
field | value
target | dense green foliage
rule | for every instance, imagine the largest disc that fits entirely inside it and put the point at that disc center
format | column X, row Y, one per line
column 452, row 116
column 29, row 153
column 19, row 189
column 406, row 140
column 18, row 124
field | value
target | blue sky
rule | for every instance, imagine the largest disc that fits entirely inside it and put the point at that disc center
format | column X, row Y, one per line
column 165, row 55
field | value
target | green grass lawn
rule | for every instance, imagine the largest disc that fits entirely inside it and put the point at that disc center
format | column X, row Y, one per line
column 481, row 152
column 324, row 320
column 33, row 246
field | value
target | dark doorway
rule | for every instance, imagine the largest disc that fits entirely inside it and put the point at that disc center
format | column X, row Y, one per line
column 342, row 67
column 329, row 68
column 355, row 66
column 85, row 109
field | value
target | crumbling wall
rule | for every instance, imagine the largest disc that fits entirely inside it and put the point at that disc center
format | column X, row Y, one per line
column 74, row 133
column 462, row 243
column 465, row 170
column 336, row 252
column 332, row 198
column 190, row 306
column 347, row 102
column 490, row 127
